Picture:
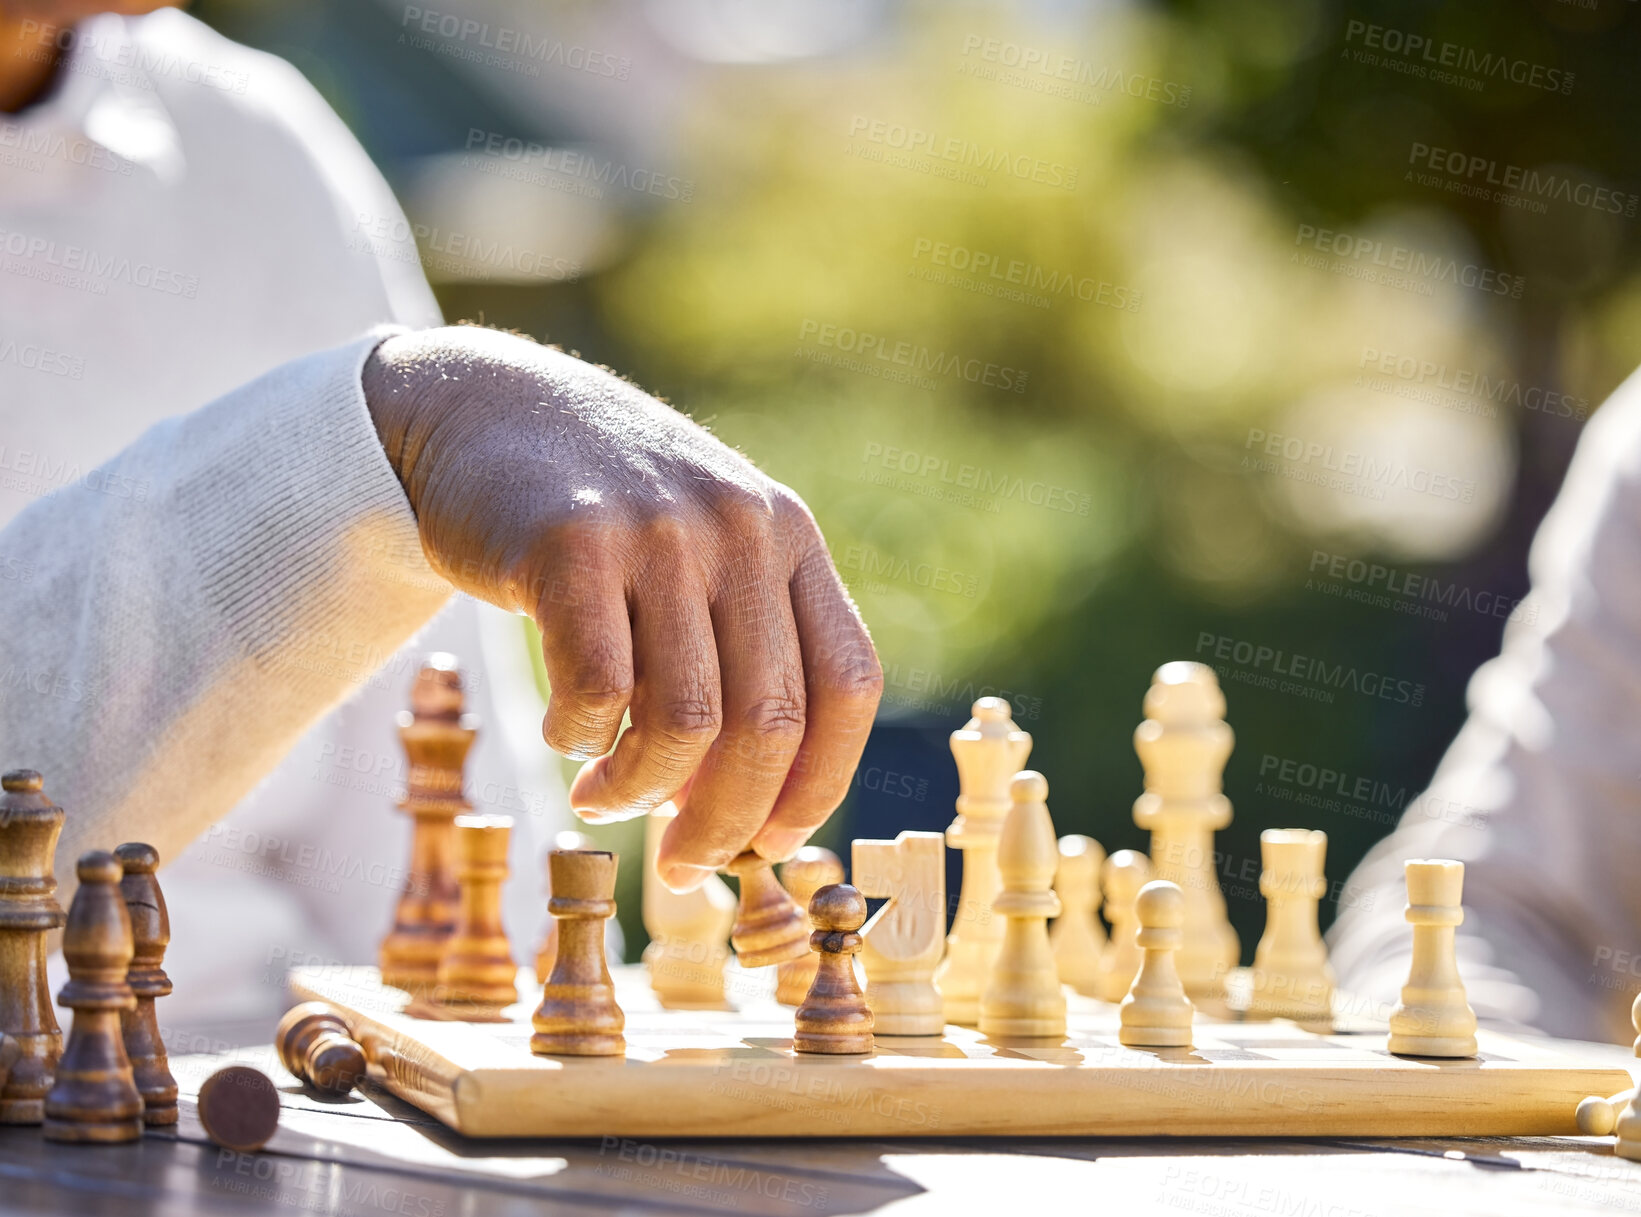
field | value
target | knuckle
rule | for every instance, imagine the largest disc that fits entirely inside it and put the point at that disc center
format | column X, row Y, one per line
column 853, row 675
column 665, row 530
column 592, row 709
column 776, row 718
column 746, row 510
column 687, row 724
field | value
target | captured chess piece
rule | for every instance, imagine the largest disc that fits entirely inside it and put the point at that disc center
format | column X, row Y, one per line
column 810, row 869
column 906, row 937
column 1076, row 936
column 1156, row 1013
column 769, row 926
column 578, row 1015
column 477, row 976
column 1433, row 1017
column 689, row 931
column 1123, row 875
column 316, row 1047
column 989, row 751
column 239, row 1108
column 151, row 934
column 1183, row 744
column 834, row 1018
column 1023, row 997
column 29, row 826
column 1291, row 975
column 436, row 736
column 1627, row 1120
column 570, row 839
column 94, row 1096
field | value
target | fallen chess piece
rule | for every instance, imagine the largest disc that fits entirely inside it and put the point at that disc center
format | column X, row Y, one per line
column 315, row 1045
column 834, row 1018
column 239, row 1108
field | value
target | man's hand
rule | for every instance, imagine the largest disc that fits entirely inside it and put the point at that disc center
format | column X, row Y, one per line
column 668, row 576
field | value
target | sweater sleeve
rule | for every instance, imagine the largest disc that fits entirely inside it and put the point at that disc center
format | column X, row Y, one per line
column 172, row 622
column 1540, row 794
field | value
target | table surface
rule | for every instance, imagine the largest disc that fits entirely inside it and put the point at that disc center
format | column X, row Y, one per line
column 370, row 1155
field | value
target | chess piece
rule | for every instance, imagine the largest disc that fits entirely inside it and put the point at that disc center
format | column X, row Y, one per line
column 1156, row 1013
column 834, row 1018
column 905, row 939
column 569, row 839
column 1292, row 978
column 29, row 825
column 151, row 934
column 239, row 1108
column 1433, row 1018
column 94, row 1095
column 689, row 931
column 989, row 751
column 578, row 1015
column 436, row 736
column 1183, row 744
column 10, row 1050
column 1598, row 1117
column 1076, row 937
column 1627, row 1120
column 769, row 926
column 1123, row 875
column 316, row 1047
column 811, row 869
column 477, row 975
column 1023, row 997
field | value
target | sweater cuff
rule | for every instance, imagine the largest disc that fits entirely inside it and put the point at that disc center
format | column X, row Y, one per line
column 301, row 531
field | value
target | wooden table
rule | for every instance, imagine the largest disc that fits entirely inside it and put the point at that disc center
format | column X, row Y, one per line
column 372, row 1156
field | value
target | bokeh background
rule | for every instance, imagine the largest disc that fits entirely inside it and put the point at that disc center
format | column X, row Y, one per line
column 1017, row 295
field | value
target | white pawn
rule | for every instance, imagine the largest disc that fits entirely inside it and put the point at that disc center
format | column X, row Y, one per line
column 689, row 933
column 1076, row 935
column 1124, row 874
column 1292, row 978
column 1156, row 1013
column 1433, row 1017
column 1628, row 1126
column 1023, row 996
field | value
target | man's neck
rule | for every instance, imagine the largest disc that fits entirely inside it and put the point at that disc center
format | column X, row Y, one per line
column 28, row 62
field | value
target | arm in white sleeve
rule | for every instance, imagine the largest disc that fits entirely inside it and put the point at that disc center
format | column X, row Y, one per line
column 1540, row 794
column 175, row 620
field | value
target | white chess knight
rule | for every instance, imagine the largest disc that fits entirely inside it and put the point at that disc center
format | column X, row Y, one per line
column 902, row 943
column 1433, row 1017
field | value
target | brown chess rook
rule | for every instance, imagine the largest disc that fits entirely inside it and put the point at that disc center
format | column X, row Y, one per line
column 769, row 925
column 239, row 1108
column 29, row 826
column 436, row 737
column 94, row 1097
column 568, row 839
column 834, row 1017
column 317, row 1047
column 477, row 971
column 151, row 934
column 578, row 1015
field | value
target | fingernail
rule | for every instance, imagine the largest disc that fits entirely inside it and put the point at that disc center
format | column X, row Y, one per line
column 779, row 844
column 681, row 877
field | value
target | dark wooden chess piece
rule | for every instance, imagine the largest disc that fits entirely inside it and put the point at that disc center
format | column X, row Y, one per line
column 834, row 1017
column 477, row 977
column 29, row 826
column 568, row 839
column 315, row 1044
column 578, row 1015
column 151, row 934
column 769, row 925
column 239, row 1108
column 94, row 1097
column 436, row 737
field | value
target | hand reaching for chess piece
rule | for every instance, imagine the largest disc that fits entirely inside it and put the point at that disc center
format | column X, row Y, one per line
column 669, row 578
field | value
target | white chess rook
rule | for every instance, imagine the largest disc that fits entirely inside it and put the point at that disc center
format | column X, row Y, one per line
column 1156, row 1013
column 1292, row 978
column 1433, row 1017
column 1023, row 996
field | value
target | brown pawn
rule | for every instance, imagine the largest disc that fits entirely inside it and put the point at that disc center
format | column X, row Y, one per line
column 316, row 1046
column 572, row 840
column 94, row 1097
column 436, row 736
column 834, row 1018
column 477, row 975
column 769, row 925
column 29, row 826
column 811, row 869
column 578, row 1015
column 239, row 1108
column 151, row 934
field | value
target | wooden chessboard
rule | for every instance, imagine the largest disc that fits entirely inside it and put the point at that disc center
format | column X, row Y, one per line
column 732, row 1073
